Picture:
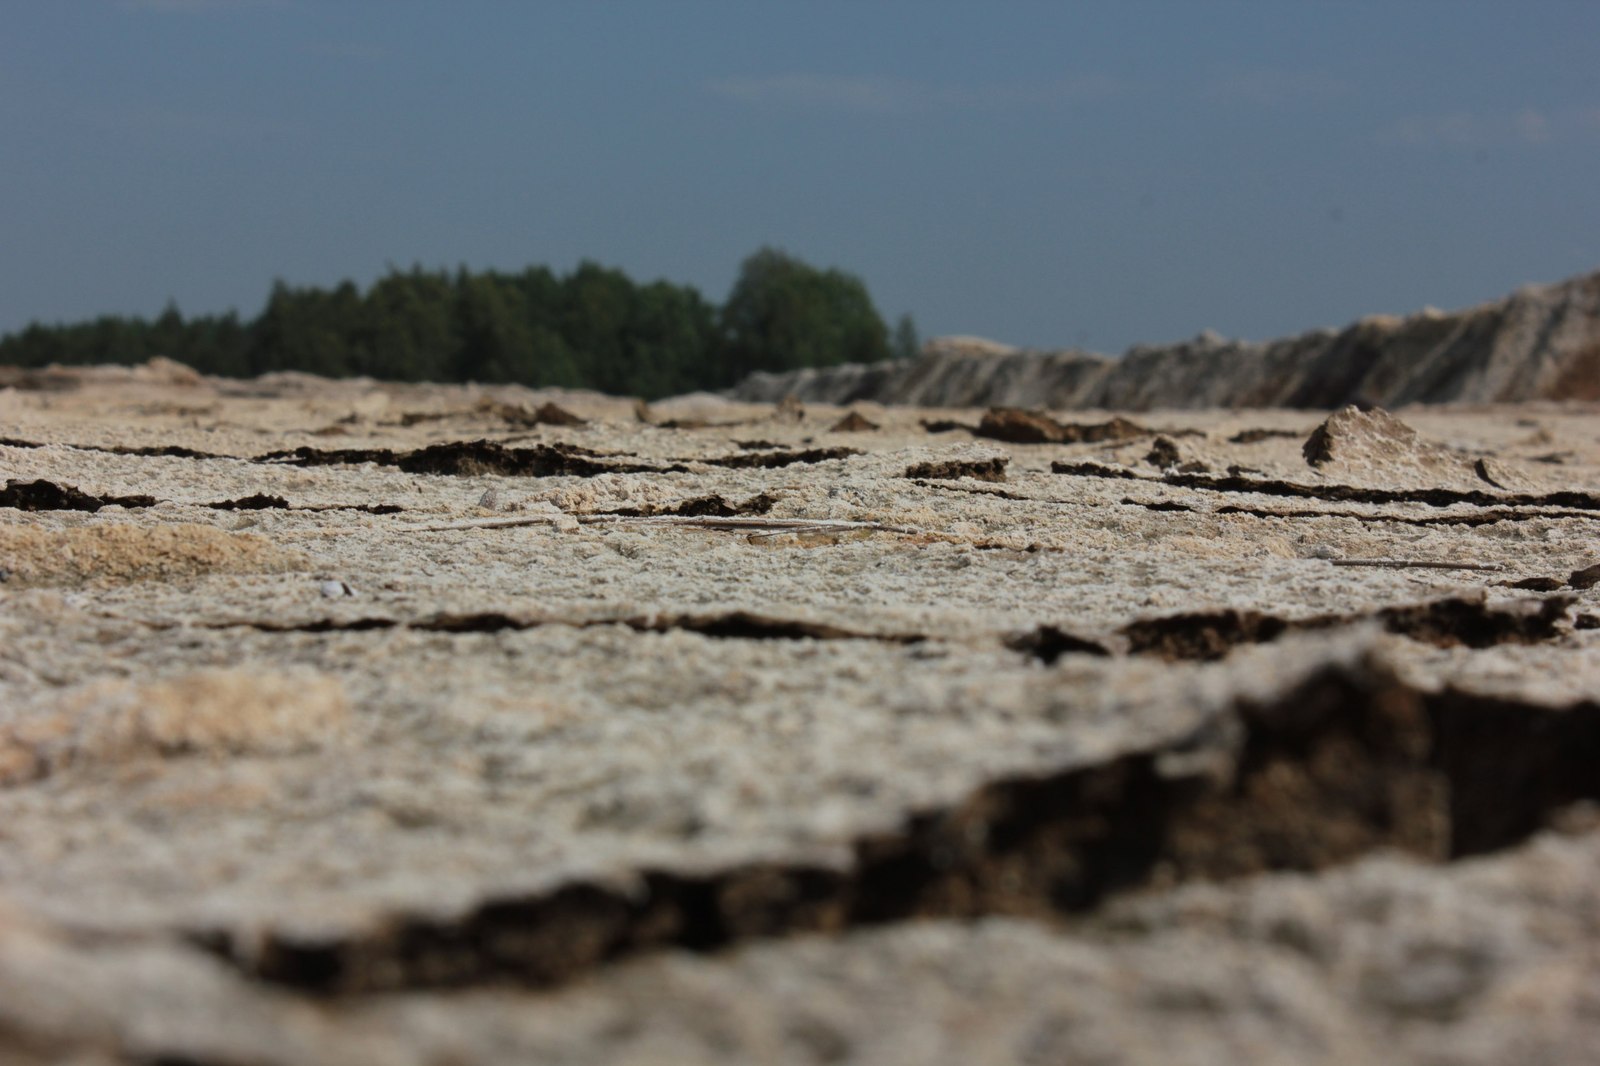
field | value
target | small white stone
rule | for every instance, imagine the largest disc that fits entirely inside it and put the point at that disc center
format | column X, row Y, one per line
column 565, row 524
column 336, row 589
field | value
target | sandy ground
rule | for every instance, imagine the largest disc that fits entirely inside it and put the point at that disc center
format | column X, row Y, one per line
column 343, row 722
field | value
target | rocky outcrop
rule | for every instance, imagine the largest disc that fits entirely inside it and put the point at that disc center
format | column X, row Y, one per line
column 1542, row 342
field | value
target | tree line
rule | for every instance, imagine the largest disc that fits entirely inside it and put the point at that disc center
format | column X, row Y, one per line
column 593, row 328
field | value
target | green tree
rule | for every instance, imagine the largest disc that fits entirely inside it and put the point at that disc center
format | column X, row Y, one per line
column 307, row 329
column 597, row 304
column 495, row 338
column 169, row 334
column 217, row 344
column 542, row 297
column 112, row 339
column 783, row 314
column 408, row 326
column 594, row 328
column 36, row 345
column 670, row 339
column 907, row 344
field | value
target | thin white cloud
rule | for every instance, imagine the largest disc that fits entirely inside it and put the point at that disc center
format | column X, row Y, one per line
column 195, row 123
column 1275, row 87
column 811, row 90
column 876, row 94
column 1492, row 129
column 193, row 7
column 1531, row 126
column 348, row 51
column 1077, row 89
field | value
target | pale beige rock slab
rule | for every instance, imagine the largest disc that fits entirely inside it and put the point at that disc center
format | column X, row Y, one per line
column 221, row 754
column 1488, row 961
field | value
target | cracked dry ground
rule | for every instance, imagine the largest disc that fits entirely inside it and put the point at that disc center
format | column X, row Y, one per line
column 1085, row 742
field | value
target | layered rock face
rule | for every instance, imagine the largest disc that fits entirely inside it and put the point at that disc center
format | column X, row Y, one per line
column 1542, row 342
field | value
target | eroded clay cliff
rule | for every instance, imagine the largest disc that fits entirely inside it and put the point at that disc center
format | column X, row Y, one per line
column 1541, row 342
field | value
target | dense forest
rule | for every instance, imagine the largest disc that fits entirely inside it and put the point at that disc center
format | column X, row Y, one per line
column 593, row 328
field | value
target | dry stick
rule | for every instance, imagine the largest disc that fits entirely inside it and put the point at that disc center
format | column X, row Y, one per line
column 772, row 526
column 798, row 531
column 1417, row 564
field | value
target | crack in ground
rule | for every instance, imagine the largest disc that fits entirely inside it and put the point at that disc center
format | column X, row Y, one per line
column 772, row 460
column 1350, row 761
column 991, row 469
column 1191, row 636
column 473, row 458
column 1210, row 635
column 458, row 458
column 747, row 625
column 712, row 506
column 1445, row 623
column 1253, row 436
column 263, row 502
column 977, row 490
column 1481, row 518
column 479, row 457
column 163, row 450
column 1339, row 493
column 723, row 625
column 1048, row 643
column 41, row 495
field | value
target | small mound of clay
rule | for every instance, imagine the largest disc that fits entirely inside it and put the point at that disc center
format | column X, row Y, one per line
column 550, row 414
column 1352, row 435
column 546, row 414
column 213, row 712
column 159, row 370
column 853, row 423
column 789, row 411
column 1374, row 448
column 1163, row 453
column 36, row 555
column 1017, row 426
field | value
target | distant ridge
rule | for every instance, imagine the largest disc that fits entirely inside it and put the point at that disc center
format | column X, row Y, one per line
column 1541, row 342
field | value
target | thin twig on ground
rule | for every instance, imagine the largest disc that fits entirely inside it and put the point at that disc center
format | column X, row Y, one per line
column 1417, row 564
column 769, row 526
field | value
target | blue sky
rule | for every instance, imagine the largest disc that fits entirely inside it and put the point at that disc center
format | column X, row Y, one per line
column 1046, row 174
